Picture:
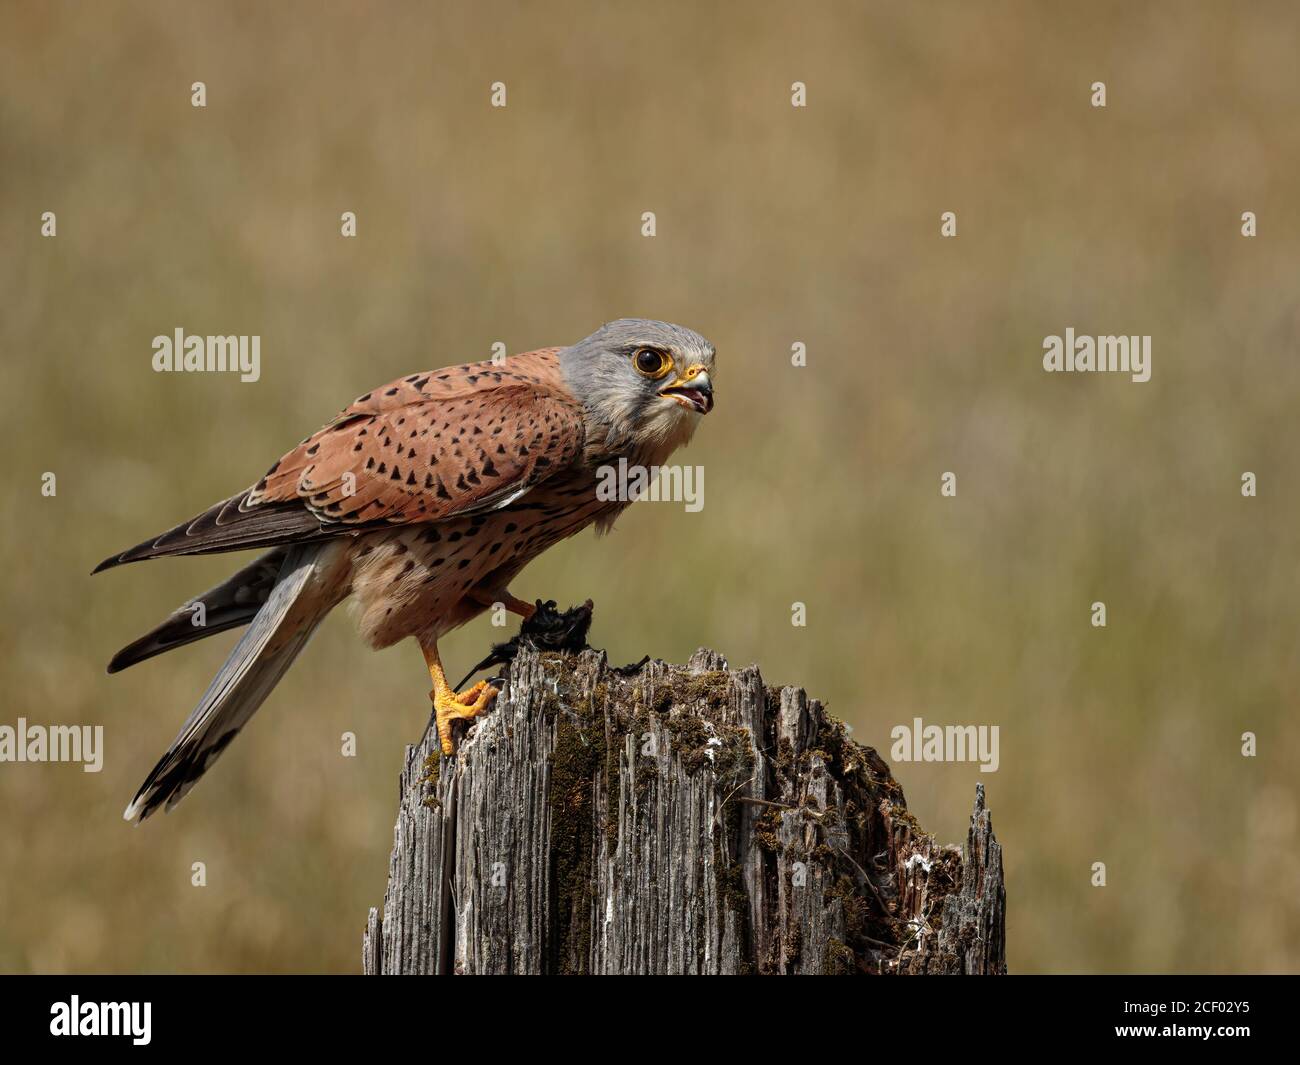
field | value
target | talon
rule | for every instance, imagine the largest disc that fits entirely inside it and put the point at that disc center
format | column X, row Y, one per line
column 449, row 706
column 467, row 697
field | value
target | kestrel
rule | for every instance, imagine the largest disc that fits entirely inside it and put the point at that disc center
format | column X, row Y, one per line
column 421, row 501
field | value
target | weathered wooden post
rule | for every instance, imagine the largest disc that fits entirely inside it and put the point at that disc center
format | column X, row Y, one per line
column 672, row 820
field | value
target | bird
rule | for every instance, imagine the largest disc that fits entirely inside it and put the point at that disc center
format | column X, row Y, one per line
column 419, row 504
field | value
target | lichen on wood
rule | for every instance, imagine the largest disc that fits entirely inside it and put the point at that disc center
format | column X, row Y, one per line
column 672, row 819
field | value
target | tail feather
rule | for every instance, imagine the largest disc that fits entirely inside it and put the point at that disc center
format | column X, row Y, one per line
column 302, row 596
column 231, row 603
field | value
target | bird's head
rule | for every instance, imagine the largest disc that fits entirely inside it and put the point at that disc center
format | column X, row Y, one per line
column 647, row 382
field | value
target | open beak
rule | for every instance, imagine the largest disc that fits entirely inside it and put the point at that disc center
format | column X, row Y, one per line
column 693, row 389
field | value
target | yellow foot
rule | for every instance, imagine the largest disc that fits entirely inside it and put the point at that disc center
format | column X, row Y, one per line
column 448, row 706
column 470, row 695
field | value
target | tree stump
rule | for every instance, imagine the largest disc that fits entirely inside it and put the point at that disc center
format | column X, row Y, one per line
column 670, row 819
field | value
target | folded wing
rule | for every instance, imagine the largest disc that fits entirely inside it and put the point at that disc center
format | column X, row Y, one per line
column 420, row 450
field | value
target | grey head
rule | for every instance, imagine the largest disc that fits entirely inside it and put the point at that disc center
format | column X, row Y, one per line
column 646, row 384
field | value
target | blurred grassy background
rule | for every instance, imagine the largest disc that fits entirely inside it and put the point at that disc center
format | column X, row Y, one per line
column 775, row 225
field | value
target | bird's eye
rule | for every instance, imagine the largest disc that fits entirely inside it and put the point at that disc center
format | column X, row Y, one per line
column 651, row 363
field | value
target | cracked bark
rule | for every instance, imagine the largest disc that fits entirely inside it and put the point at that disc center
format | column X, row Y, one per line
column 677, row 819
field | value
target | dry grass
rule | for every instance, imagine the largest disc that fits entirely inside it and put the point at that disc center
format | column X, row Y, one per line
column 775, row 225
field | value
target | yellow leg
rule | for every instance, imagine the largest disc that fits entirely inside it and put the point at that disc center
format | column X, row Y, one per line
column 447, row 705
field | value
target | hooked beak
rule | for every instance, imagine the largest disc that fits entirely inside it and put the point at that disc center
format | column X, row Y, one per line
column 693, row 390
